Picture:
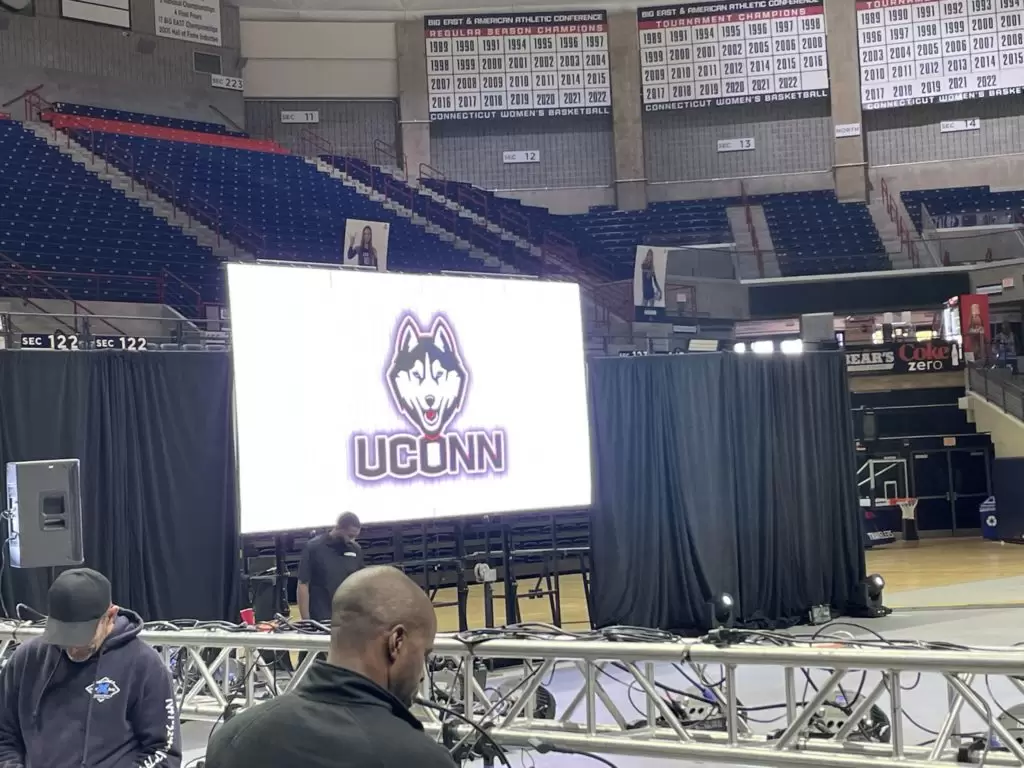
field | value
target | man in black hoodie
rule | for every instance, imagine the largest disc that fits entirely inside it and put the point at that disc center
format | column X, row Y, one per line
column 89, row 693
column 352, row 710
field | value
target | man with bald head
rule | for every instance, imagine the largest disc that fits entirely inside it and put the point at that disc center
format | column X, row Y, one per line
column 351, row 710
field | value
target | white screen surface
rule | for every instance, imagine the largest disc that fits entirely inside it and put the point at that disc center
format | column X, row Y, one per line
column 404, row 397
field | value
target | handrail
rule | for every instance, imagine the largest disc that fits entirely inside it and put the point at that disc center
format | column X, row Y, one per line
column 21, row 297
column 389, row 151
column 431, row 173
column 62, row 294
column 35, row 105
column 903, row 230
column 22, row 96
column 316, row 142
column 164, row 275
column 226, row 117
column 750, row 228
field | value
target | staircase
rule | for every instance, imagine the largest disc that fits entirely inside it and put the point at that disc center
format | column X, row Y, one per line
column 449, row 237
column 747, row 267
column 888, row 231
column 143, row 195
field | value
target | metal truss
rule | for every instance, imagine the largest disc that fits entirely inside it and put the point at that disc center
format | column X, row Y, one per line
column 219, row 671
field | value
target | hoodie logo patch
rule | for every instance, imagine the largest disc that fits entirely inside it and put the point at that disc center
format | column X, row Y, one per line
column 103, row 689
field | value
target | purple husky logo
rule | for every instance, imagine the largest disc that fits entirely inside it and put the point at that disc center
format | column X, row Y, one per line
column 428, row 382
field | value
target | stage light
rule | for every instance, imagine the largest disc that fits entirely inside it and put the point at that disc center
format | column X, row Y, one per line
column 739, row 347
column 867, row 602
column 763, row 347
column 792, row 347
column 875, row 584
column 722, row 610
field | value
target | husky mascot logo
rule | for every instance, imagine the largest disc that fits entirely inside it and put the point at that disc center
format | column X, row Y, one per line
column 427, row 377
column 428, row 382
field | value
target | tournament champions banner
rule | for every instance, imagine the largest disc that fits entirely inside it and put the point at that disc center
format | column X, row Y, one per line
column 649, row 271
column 366, row 244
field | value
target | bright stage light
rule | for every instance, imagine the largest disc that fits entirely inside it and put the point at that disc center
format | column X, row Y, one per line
column 405, row 397
column 739, row 347
column 763, row 347
column 792, row 347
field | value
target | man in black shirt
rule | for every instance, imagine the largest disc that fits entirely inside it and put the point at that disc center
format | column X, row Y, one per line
column 326, row 562
column 351, row 711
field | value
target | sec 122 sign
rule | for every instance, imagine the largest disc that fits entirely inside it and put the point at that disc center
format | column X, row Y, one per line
column 713, row 54
column 71, row 342
column 485, row 66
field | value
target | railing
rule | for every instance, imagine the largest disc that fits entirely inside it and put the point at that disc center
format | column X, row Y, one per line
column 177, row 293
column 430, row 172
column 998, row 386
column 904, row 231
column 312, row 144
column 751, row 229
column 389, row 152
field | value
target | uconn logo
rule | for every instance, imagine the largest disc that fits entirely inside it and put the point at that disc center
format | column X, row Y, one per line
column 427, row 381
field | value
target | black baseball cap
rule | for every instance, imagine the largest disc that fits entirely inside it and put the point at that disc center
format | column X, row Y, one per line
column 79, row 598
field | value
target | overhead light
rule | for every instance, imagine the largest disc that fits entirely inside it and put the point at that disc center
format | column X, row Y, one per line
column 739, row 347
column 763, row 347
column 792, row 347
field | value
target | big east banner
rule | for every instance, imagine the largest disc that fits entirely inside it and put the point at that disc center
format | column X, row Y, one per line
column 906, row 357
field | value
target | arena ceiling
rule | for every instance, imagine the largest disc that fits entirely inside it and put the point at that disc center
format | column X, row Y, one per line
column 399, row 10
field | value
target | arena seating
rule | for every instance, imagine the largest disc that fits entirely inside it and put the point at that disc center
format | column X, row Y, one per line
column 941, row 202
column 813, row 233
column 434, row 212
column 140, row 118
column 276, row 206
column 607, row 235
column 80, row 234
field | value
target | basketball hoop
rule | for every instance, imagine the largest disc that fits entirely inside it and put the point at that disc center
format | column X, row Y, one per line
column 908, row 510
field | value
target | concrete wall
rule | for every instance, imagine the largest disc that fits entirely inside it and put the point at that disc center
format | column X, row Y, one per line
column 790, row 138
column 351, row 127
column 1007, row 432
column 122, row 69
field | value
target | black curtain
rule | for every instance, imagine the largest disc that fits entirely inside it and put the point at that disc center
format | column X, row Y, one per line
column 722, row 473
column 155, row 437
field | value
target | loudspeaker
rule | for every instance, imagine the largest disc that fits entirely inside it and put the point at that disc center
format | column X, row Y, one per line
column 44, row 504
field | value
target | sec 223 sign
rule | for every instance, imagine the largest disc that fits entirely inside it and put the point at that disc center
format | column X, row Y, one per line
column 905, row 357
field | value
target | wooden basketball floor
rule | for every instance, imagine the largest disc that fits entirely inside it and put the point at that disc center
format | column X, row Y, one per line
column 932, row 573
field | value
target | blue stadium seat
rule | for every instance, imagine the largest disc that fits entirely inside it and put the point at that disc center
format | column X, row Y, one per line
column 815, row 234
column 959, row 200
column 102, row 113
column 81, row 235
column 277, row 206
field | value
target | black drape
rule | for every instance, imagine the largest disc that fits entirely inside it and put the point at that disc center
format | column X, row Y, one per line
column 155, row 438
column 722, row 473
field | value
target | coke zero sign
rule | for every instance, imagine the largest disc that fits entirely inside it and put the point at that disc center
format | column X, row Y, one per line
column 905, row 357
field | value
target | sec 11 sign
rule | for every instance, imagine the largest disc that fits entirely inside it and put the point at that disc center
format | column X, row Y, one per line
column 735, row 145
column 302, row 118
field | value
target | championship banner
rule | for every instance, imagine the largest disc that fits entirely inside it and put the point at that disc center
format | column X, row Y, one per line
column 905, row 357
column 925, row 51
column 487, row 66
column 366, row 244
column 649, row 270
column 716, row 54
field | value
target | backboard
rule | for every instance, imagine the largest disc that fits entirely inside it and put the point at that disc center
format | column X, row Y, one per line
column 881, row 479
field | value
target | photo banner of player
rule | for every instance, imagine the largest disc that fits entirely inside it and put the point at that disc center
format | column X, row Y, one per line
column 926, row 51
column 649, row 271
column 716, row 54
column 504, row 66
column 366, row 244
